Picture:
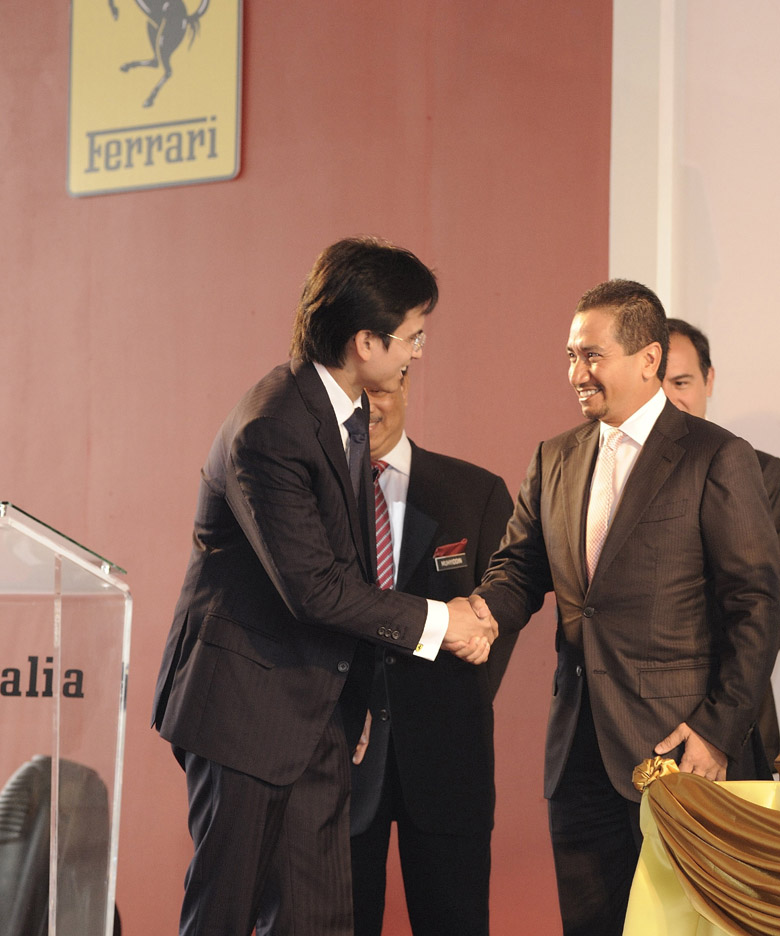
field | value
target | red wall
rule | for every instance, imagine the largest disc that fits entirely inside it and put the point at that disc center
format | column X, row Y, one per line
column 475, row 134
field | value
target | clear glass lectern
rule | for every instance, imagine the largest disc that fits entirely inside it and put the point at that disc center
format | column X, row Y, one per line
column 64, row 647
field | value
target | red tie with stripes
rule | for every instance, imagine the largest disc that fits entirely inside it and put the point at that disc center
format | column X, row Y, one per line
column 384, row 539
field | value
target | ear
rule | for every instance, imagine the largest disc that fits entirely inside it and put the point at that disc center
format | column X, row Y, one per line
column 710, row 381
column 364, row 344
column 651, row 360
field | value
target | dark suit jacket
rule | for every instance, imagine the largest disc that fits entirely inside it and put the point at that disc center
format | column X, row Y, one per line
column 276, row 594
column 770, row 469
column 441, row 713
column 680, row 620
column 767, row 715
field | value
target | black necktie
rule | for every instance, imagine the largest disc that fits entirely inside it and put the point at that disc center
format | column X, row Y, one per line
column 358, row 437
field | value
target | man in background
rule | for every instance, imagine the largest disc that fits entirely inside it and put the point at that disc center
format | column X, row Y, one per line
column 689, row 382
column 653, row 529
column 432, row 775
column 264, row 680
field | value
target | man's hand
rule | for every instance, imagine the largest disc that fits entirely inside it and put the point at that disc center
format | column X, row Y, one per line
column 700, row 757
column 360, row 750
column 472, row 629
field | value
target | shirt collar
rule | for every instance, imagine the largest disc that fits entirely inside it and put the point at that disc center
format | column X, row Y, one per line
column 342, row 405
column 639, row 425
column 400, row 455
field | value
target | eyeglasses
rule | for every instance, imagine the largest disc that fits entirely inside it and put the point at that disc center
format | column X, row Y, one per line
column 417, row 341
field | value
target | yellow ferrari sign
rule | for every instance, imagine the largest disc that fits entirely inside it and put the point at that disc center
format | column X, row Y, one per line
column 155, row 93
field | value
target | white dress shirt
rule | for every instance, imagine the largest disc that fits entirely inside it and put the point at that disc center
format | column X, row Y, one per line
column 635, row 429
column 394, row 482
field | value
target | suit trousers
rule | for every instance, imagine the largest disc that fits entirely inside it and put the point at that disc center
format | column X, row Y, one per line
column 274, row 854
column 446, row 877
column 595, row 838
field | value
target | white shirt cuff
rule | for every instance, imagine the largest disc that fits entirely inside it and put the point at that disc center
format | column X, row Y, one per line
column 436, row 625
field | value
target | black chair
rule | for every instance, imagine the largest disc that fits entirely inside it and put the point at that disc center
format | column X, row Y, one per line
column 83, row 847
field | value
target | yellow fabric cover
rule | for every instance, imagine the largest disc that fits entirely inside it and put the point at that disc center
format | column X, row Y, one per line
column 710, row 860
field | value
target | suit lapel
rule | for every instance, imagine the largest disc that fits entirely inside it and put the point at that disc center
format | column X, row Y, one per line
column 576, row 471
column 419, row 528
column 658, row 458
column 361, row 520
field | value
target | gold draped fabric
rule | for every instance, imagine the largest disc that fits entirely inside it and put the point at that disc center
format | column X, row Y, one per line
column 652, row 769
column 710, row 860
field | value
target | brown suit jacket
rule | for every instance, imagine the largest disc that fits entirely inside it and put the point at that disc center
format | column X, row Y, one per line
column 767, row 715
column 279, row 589
column 679, row 622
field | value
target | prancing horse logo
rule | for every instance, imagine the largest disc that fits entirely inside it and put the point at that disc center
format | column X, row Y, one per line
column 168, row 22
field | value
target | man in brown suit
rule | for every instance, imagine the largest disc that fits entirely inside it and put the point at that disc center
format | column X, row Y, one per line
column 666, row 637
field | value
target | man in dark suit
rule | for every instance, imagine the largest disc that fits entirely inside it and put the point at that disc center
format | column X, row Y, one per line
column 279, row 592
column 432, row 775
column 688, row 383
column 653, row 528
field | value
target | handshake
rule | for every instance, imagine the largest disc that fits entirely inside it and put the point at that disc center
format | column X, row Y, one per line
column 471, row 630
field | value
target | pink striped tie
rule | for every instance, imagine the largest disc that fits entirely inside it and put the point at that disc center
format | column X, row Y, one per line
column 384, row 539
column 601, row 497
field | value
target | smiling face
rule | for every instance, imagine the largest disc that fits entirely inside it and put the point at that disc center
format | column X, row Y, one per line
column 610, row 384
column 684, row 382
column 388, row 415
column 384, row 366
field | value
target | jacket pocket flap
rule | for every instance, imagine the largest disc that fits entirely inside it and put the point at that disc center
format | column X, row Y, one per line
column 668, row 682
column 665, row 511
column 238, row 638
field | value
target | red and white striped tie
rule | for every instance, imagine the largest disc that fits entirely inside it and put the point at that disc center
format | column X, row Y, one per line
column 384, row 539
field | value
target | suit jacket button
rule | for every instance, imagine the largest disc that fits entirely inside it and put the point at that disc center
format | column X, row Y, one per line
column 384, row 715
column 389, row 659
column 343, row 666
column 588, row 612
column 382, row 631
column 396, row 634
column 578, row 671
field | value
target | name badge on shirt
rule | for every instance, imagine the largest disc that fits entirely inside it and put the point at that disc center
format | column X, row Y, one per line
column 450, row 556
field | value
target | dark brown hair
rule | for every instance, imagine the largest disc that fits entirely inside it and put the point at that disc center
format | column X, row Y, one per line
column 355, row 284
column 640, row 318
column 698, row 339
